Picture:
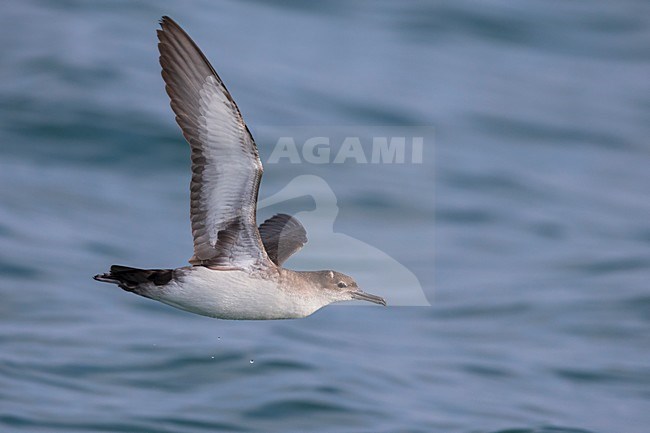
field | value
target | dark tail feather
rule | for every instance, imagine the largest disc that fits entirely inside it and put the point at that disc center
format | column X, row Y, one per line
column 130, row 278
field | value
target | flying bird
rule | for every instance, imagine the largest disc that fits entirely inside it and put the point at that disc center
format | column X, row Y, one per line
column 236, row 270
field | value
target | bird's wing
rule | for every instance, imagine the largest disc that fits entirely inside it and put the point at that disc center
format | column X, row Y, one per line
column 226, row 168
column 283, row 236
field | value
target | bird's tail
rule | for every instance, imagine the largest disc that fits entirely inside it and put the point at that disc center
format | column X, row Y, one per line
column 130, row 278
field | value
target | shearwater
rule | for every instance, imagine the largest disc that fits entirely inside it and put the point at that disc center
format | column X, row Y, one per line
column 236, row 270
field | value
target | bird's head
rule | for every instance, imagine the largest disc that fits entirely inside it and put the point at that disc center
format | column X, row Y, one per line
column 341, row 287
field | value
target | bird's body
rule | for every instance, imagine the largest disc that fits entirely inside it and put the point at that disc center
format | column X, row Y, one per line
column 236, row 270
column 230, row 294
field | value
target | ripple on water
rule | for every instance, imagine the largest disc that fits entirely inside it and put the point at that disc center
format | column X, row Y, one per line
column 9, row 269
column 550, row 429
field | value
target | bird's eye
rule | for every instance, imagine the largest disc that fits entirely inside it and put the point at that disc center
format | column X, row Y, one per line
column 342, row 285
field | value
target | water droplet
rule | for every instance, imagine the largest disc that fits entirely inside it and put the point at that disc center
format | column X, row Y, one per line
column 252, row 361
column 212, row 357
column 218, row 338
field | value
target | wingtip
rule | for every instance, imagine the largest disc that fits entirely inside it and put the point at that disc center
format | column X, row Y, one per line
column 166, row 21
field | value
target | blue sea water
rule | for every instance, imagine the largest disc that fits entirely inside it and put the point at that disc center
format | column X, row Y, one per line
column 527, row 225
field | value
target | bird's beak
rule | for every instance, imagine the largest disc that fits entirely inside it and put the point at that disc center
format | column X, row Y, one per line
column 363, row 296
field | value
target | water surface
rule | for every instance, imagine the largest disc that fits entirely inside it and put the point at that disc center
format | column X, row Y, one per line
column 534, row 250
